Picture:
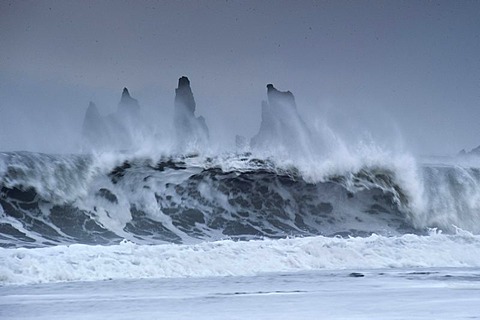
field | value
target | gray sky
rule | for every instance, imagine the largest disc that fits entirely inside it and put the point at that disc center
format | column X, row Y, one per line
column 382, row 66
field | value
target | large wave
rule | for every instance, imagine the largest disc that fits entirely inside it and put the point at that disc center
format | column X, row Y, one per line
column 64, row 199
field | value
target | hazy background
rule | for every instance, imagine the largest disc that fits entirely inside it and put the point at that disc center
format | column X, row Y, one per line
column 407, row 71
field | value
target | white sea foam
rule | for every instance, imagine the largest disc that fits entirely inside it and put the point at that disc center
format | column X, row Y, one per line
column 229, row 258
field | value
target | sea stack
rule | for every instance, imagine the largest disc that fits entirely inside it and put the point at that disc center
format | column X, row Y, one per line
column 115, row 131
column 191, row 132
column 281, row 128
column 93, row 126
column 128, row 106
column 92, row 117
column 184, row 99
column 276, row 97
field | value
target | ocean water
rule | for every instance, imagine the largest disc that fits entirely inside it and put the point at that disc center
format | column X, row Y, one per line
column 135, row 236
column 449, row 293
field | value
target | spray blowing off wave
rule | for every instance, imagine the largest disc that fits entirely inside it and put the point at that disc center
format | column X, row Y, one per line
column 284, row 182
column 191, row 199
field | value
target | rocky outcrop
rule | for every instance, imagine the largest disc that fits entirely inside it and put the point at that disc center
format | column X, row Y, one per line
column 191, row 132
column 114, row 131
column 93, row 126
column 121, row 129
column 128, row 106
column 184, row 100
column 92, row 120
column 277, row 98
column 282, row 128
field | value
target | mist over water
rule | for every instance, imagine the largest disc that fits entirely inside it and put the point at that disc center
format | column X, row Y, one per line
column 412, row 63
column 150, row 181
column 281, row 129
column 179, row 139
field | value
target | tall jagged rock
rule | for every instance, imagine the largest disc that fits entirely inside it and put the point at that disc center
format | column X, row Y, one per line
column 115, row 131
column 93, row 126
column 191, row 132
column 92, row 119
column 281, row 128
column 128, row 106
column 184, row 99
column 276, row 97
column 126, row 123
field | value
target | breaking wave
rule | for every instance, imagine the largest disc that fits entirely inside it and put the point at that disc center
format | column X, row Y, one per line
column 229, row 258
column 49, row 200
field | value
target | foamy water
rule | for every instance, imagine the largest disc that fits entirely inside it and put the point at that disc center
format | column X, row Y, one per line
column 236, row 258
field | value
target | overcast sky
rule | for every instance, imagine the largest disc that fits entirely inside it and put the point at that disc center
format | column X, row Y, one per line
column 388, row 67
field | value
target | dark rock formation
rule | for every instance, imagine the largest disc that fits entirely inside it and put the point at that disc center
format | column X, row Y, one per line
column 281, row 128
column 114, row 131
column 126, row 123
column 184, row 99
column 128, row 106
column 93, row 119
column 93, row 127
column 191, row 132
column 276, row 97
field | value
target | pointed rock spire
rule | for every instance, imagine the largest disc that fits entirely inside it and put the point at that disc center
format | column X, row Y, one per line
column 184, row 96
column 93, row 125
column 92, row 111
column 128, row 106
column 191, row 132
column 281, row 126
column 127, row 99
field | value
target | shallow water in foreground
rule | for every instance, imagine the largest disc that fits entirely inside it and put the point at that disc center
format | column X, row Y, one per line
column 421, row 293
